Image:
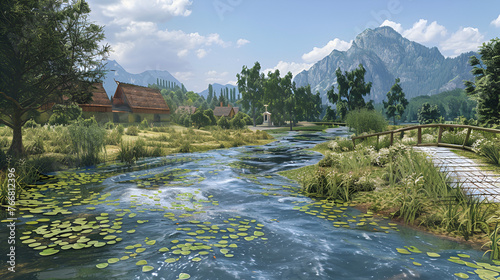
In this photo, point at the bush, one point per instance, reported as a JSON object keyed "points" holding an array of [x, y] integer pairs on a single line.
{"points": [[132, 130], [126, 153], [210, 114], [144, 124], [489, 149], [88, 141], [31, 124], [36, 148], [109, 125], [223, 123], [366, 121], [113, 138], [120, 129]]}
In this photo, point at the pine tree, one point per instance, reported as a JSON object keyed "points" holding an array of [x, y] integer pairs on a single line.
{"points": [[396, 102]]}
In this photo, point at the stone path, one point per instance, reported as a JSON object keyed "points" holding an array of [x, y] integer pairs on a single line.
{"points": [[466, 172]]}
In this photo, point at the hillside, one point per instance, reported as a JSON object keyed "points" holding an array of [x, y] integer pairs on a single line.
{"points": [[387, 55]]}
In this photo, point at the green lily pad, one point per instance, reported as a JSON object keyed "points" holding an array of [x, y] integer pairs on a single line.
{"points": [[48, 252], [147, 268], [486, 273], [140, 250], [113, 260], [463, 255], [131, 231], [433, 255], [102, 265], [403, 251], [196, 259], [164, 249], [184, 276], [417, 264], [170, 260], [151, 242], [462, 275], [141, 262]]}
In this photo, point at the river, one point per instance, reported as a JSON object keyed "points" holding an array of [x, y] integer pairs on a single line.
{"points": [[222, 214]]}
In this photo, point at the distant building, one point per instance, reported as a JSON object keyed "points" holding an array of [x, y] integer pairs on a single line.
{"points": [[100, 106], [185, 109], [133, 103], [267, 117], [222, 111]]}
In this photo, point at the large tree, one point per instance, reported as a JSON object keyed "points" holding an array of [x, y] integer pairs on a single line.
{"points": [[486, 86], [250, 86], [351, 91], [428, 113], [48, 49], [396, 102]]}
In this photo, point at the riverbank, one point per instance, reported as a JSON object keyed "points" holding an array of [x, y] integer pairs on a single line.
{"points": [[398, 183]]}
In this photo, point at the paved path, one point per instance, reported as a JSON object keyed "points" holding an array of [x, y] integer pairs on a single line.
{"points": [[474, 181]]}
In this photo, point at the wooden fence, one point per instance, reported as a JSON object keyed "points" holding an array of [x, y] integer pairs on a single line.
{"points": [[419, 134]]}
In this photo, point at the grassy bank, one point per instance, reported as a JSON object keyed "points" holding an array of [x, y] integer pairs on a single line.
{"points": [[402, 184]]}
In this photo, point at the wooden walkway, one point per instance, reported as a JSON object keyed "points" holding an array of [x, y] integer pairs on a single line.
{"points": [[475, 181]]}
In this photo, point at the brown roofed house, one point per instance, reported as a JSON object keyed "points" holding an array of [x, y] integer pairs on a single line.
{"points": [[100, 100], [222, 111], [140, 103], [186, 109]]}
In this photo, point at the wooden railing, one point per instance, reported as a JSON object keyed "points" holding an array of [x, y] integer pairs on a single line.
{"points": [[419, 134]]}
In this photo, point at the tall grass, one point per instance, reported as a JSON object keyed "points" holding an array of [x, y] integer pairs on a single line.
{"points": [[88, 142]]}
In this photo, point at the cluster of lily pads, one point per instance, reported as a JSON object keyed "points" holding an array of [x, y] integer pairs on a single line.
{"points": [[483, 270], [174, 177]]}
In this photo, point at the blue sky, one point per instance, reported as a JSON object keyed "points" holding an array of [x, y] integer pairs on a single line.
{"points": [[208, 41]]}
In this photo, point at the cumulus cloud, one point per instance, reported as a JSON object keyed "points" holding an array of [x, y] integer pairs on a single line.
{"points": [[496, 22], [124, 11], [213, 76], [242, 42], [184, 76], [422, 32], [318, 53], [464, 40], [285, 67], [201, 53], [396, 26]]}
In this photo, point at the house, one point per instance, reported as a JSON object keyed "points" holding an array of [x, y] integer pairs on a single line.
{"points": [[133, 103], [100, 107], [222, 111], [186, 109]]}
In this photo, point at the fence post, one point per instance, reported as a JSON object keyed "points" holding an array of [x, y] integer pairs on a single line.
{"points": [[378, 140], [467, 137], [354, 144], [419, 141], [440, 134], [392, 138]]}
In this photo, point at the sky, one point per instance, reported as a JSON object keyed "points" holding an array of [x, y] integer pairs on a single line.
{"points": [[209, 41]]}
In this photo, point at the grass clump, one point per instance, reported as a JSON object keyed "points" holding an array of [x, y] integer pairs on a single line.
{"points": [[132, 130]]}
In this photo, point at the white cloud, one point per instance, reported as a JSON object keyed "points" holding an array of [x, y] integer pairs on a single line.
{"points": [[242, 42], [182, 53], [421, 32], [394, 25], [201, 53], [216, 77], [319, 53], [464, 40], [234, 83], [124, 11], [285, 67], [496, 22]]}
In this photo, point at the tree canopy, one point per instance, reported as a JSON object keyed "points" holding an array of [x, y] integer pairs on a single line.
{"points": [[396, 101], [486, 86], [250, 86], [48, 49]]}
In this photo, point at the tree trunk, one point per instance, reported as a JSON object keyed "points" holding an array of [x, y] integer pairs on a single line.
{"points": [[16, 148], [291, 124], [253, 115]]}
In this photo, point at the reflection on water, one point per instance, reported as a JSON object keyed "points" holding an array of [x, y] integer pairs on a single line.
{"points": [[222, 214]]}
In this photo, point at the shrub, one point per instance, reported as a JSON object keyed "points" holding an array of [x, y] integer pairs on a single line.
{"points": [[210, 114], [144, 124], [36, 148], [114, 137], [185, 147], [238, 121], [223, 123], [365, 120], [120, 129], [88, 141], [489, 149], [132, 130], [109, 125], [126, 153], [31, 124]]}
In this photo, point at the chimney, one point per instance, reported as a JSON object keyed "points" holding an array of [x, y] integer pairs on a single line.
{"points": [[222, 105]]}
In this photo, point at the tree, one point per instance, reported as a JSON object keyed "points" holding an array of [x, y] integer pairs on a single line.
{"points": [[200, 119], [396, 102], [486, 86], [210, 93], [250, 87], [351, 91], [48, 49], [428, 113]]}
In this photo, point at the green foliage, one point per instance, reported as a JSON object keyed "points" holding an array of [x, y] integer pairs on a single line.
{"points": [[31, 124], [55, 53], [132, 130], [238, 121], [36, 147], [210, 114], [351, 91], [88, 141], [396, 102], [199, 119], [109, 125], [250, 86], [144, 124], [120, 129], [223, 123], [485, 88], [428, 114], [63, 114], [126, 153], [113, 137], [364, 120], [489, 149]]}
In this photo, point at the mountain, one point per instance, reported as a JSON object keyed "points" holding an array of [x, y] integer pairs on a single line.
{"points": [[116, 72], [386, 55], [217, 88]]}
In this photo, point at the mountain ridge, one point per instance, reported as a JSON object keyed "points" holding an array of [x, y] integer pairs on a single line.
{"points": [[387, 55]]}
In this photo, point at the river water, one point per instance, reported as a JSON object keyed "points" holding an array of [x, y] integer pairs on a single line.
{"points": [[223, 214]]}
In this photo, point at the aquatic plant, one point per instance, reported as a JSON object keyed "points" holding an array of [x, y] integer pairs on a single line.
{"points": [[88, 141]]}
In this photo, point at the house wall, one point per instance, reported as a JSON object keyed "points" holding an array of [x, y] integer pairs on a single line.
{"points": [[137, 118], [99, 117]]}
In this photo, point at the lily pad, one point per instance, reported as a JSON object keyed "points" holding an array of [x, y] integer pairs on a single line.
{"points": [[433, 255], [102, 265], [113, 260], [170, 260], [147, 268], [48, 252], [462, 275], [403, 251], [141, 262], [184, 276]]}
